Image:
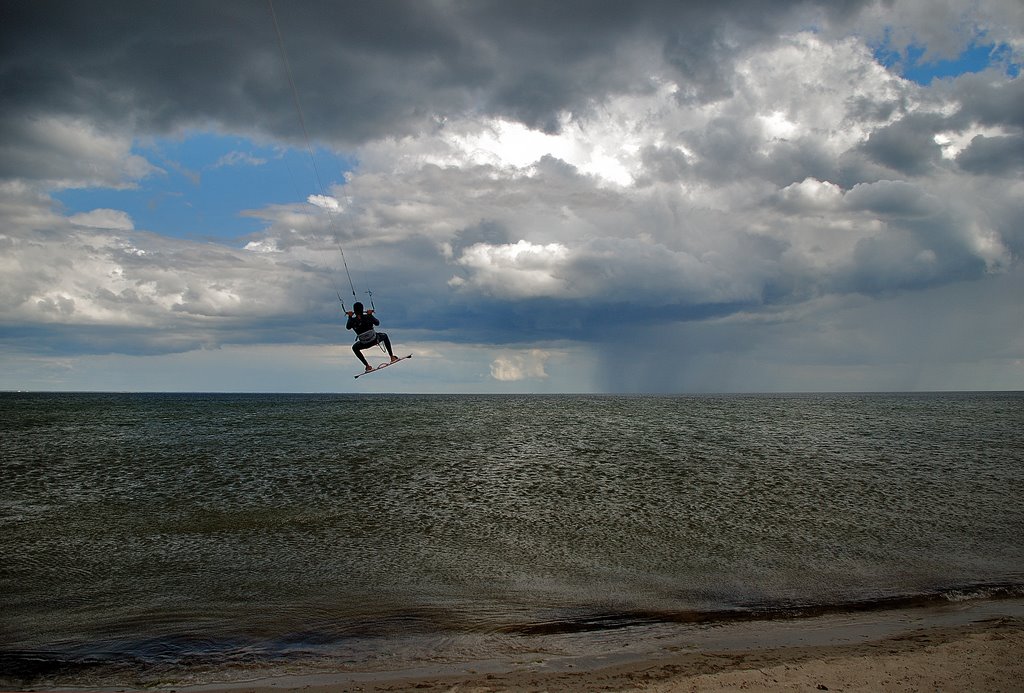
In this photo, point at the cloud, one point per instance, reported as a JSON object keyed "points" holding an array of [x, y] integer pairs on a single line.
{"points": [[331, 204], [113, 219], [519, 270], [990, 102], [67, 152], [91, 283], [993, 155], [907, 146], [520, 366], [943, 28], [891, 198], [903, 341], [810, 196], [777, 202], [393, 72], [519, 170], [237, 158]]}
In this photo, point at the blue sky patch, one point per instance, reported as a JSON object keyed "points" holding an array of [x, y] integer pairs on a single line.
{"points": [[977, 57], [207, 180]]}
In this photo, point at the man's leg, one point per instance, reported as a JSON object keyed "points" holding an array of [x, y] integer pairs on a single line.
{"points": [[357, 349], [387, 345]]}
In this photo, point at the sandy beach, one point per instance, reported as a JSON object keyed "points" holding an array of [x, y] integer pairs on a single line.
{"points": [[982, 655]]}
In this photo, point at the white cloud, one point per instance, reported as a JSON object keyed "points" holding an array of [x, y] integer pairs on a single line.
{"points": [[511, 367], [264, 245], [69, 153], [606, 145], [324, 202], [112, 219], [807, 86], [96, 274], [237, 158], [507, 144], [514, 270], [811, 196], [953, 142]]}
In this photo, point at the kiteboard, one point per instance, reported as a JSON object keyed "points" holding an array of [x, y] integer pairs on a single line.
{"points": [[384, 365]]}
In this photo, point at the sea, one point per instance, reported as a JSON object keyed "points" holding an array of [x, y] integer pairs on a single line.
{"points": [[162, 539]]}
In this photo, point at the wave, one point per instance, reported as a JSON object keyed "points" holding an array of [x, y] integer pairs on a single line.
{"points": [[84, 661], [764, 611]]}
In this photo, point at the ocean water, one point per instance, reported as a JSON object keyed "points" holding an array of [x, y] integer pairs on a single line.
{"points": [[178, 537]]}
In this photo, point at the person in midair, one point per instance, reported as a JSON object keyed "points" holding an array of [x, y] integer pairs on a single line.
{"points": [[366, 336]]}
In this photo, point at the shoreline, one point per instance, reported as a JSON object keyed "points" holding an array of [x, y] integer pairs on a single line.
{"points": [[972, 645], [959, 647]]}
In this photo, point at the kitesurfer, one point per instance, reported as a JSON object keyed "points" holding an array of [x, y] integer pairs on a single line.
{"points": [[366, 336]]}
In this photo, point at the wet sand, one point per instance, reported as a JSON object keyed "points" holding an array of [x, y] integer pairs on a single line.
{"points": [[908, 651]]}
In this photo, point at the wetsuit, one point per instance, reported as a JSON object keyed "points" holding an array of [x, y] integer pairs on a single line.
{"points": [[366, 337]]}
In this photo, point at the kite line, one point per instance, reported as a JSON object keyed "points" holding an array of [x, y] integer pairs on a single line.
{"points": [[309, 149]]}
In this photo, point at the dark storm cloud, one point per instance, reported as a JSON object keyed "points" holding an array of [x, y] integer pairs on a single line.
{"points": [[907, 146], [989, 102], [795, 160], [488, 231], [993, 155], [364, 70], [891, 198], [904, 260]]}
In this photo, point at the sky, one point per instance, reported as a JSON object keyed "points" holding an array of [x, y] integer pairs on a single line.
{"points": [[572, 196]]}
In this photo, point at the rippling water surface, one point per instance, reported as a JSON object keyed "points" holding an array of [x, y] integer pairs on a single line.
{"points": [[194, 529]]}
